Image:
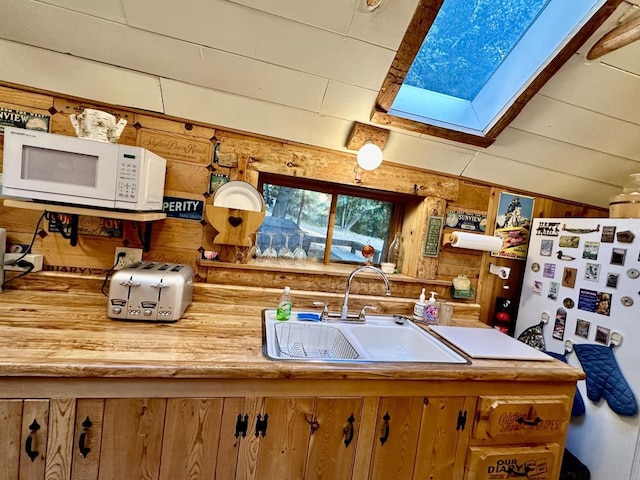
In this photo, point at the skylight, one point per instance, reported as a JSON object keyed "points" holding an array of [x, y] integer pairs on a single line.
{"points": [[479, 55]]}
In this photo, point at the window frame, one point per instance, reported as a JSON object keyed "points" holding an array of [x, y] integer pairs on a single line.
{"points": [[334, 189], [419, 26]]}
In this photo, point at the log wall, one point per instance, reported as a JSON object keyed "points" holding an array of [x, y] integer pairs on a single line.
{"points": [[189, 150]]}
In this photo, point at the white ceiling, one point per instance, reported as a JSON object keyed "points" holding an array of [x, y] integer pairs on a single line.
{"points": [[305, 71]]}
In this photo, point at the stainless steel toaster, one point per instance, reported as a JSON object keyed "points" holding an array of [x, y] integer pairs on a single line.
{"points": [[152, 291]]}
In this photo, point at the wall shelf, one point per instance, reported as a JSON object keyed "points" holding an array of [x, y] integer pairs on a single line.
{"points": [[142, 217]]}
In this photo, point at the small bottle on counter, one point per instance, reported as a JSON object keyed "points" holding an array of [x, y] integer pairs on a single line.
{"points": [[431, 310], [419, 307], [395, 252], [284, 307]]}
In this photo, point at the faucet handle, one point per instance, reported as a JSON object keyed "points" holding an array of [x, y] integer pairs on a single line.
{"points": [[363, 312], [325, 310]]}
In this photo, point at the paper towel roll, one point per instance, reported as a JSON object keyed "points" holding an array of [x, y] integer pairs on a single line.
{"points": [[473, 241]]}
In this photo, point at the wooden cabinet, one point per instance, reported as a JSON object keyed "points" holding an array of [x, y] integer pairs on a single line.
{"points": [[35, 438], [307, 437], [518, 436]]}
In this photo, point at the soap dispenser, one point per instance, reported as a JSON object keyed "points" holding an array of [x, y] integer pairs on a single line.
{"points": [[431, 310], [419, 307], [283, 311]]}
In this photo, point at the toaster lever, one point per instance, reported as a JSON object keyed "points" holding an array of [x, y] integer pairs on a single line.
{"points": [[130, 283], [160, 285]]}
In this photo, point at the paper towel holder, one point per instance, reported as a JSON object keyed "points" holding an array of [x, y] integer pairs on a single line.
{"points": [[452, 238]]}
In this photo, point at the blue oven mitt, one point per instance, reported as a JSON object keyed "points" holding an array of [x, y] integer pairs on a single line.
{"points": [[577, 409], [604, 378]]}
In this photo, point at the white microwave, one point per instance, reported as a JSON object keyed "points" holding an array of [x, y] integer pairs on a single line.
{"points": [[59, 168]]}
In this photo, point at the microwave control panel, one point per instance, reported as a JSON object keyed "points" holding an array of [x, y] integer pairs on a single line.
{"points": [[128, 174]]}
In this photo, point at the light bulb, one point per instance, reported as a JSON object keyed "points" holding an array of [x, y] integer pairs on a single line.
{"points": [[369, 156]]}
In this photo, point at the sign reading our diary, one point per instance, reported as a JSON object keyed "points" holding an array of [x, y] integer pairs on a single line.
{"points": [[184, 208], [16, 118], [432, 238]]}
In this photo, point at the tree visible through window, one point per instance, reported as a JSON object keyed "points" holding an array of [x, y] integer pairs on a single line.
{"points": [[332, 222]]}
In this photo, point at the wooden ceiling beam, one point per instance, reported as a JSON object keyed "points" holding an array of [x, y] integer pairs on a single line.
{"points": [[617, 38]]}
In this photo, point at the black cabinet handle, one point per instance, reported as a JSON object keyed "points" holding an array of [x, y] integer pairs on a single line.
{"points": [[348, 430], [242, 425], [84, 450], [28, 445], [385, 434], [261, 425], [531, 423], [313, 423]]}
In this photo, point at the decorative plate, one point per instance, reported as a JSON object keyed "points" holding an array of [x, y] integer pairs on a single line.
{"points": [[239, 195]]}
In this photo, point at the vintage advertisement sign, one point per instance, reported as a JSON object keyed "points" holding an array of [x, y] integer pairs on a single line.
{"points": [[513, 225], [469, 221], [185, 208], [103, 227], [16, 118], [432, 238]]}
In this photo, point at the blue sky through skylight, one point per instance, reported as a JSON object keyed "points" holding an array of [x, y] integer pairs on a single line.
{"points": [[467, 43], [479, 55]]}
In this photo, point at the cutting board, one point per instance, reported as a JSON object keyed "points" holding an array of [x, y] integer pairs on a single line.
{"points": [[488, 343]]}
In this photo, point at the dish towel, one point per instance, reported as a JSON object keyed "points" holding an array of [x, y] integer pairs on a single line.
{"points": [[577, 409], [604, 378]]}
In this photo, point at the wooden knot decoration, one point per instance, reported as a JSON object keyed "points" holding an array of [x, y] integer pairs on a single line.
{"points": [[235, 221]]}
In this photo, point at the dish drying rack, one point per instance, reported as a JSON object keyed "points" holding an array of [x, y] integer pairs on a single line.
{"points": [[313, 341]]}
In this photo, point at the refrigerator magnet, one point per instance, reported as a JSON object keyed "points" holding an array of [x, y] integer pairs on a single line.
{"points": [[633, 273], [602, 335], [559, 325], [618, 255], [608, 234], [626, 301], [582, 328]]}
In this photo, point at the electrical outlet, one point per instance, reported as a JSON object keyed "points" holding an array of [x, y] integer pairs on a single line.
{"points": [[36, 260], [131, 255]]}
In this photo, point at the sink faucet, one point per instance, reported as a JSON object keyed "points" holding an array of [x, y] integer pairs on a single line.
{"points": [[345, 305]]}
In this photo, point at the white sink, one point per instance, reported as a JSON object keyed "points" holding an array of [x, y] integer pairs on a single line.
{"points": [[380, 339]]}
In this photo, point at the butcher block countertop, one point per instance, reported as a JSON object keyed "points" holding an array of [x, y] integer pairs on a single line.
{"points": [[56, 326]]}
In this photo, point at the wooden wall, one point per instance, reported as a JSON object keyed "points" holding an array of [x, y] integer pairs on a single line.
{"points": [[188, 148]]}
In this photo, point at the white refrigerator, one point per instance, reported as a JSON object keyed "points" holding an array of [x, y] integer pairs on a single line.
{"points": [[583, 275]]}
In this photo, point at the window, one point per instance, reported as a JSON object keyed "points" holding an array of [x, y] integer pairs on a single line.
{"points": [[331, 223], [465, 69]]}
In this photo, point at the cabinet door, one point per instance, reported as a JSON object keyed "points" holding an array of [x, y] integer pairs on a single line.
{"points": [[191, 437], [445, 430], [396, 440], [35, 438], [277, 440], [33, 441], [87, 439], [132, 439], [10, 437], [334, 435]]}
